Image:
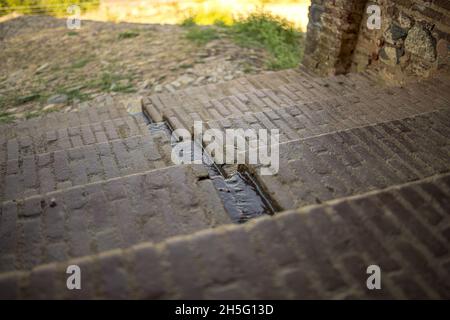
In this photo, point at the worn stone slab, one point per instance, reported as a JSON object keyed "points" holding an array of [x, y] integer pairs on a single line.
{"points": [[318, 252], [359, 160], [117, 213]]}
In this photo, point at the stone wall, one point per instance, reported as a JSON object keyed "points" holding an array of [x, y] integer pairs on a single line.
{"points": [[332, 33], [413, 39]]}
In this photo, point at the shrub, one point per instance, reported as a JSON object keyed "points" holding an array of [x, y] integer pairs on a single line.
{"points": [[275, 34]]}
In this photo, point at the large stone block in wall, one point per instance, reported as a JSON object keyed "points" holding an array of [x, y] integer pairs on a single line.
{"points": [[390, 55], [420, 43]]}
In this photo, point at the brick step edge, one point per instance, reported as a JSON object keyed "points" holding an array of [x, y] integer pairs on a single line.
{"points": [[316, 252], [46, 171], [296, 123], [309, 87], [33, 143], [413, 94], [84, 220], [57, 120]]}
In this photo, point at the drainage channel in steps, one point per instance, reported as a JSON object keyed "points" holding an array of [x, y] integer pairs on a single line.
{"points": [[242, 196], [239, 191]]}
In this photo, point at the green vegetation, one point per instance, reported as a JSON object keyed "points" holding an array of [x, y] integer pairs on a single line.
{"points": [[263, 30], [189, 22], [213, 14], [186, 65], [80, 63], [247, 68], [113, 82], [128, 34], [273, 33], [201, 35], [27, 98], [106, 82], [5, 117], [73, 93], [51, 7]]}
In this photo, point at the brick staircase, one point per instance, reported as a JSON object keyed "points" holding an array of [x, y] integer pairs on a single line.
{"points": [[364, 179]]}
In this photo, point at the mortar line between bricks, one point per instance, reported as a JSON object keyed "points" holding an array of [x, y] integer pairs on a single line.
{"points": [[363, 126], [372, 192], [46, 194], [144, 134]]}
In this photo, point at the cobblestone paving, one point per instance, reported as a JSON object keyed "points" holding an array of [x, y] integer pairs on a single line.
{"points": [[364, 175], [316, 252]]}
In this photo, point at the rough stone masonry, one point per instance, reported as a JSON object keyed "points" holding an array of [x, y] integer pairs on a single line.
{"points": [[412, 41]]}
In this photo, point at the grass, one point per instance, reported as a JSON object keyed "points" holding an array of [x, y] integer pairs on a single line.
{"points": [[189, 22], [198, 34], [27, 98], [107, 82], [261, 30], [80, 63], [247, 68], [113, 82], [73, 94], [33, 114], [5, 117], [128, 35], [275, 34], [201, 35], [208, 16], [186, 65]]}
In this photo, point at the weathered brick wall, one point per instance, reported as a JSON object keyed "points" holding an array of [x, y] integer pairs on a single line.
{"points": [[332, 33], [413, 39]]}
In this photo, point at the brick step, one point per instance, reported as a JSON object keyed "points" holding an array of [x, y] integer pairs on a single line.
{"points": [[417, 97], [316, 252], [60, 169], [327, 116], [90, 113], [116, 213], [27, 144], [253, 93], [358, 160]]}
